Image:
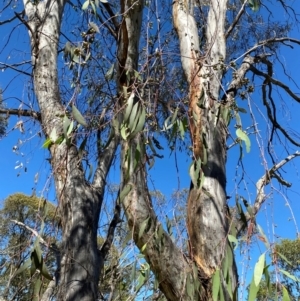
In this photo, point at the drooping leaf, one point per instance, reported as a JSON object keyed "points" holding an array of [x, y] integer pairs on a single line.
{"points": [[216, 285], [110, 73], [243, 136], [284, 258], [125, 192], [77, 116], [143, 227], [128, 107], [24, 267], [141, 122], [85, 5], [44, 271], [259, 268], [285, 294], [234, 240], [133, 116], [289, 275], [190, 287], [36, 289], [252, 291]]}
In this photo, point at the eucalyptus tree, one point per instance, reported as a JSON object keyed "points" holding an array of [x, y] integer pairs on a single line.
{"points": [[129, 89]]}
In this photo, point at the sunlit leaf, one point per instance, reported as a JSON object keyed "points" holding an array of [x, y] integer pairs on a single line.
{"points": [[47, 143], [85, 5], [77, 116], [289, 275], [285, 294], [259, 268], [243, 136]]}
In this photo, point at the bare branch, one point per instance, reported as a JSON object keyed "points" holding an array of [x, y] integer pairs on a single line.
{"points": [[25, 113], [236, 20], [111, 230], [34, 232], [4, 65], [105, 158], [276, 82], [11, 19], [266, 179], [269, 41]]}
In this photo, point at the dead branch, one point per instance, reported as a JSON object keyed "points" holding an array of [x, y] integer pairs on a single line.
{"points": [[25, 113]]}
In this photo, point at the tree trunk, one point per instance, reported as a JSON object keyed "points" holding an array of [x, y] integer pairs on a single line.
{"points": [[79, 202], [207, 215]]}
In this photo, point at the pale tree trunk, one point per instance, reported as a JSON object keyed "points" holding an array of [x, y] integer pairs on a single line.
{"points": [[207, 214], [79, 202], [177, 275]]}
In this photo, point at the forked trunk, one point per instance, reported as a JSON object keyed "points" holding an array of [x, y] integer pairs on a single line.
{"points": [[79, 202]]}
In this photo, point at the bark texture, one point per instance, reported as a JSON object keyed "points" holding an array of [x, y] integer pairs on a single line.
{"points": [[207, 216], [79, 202]]}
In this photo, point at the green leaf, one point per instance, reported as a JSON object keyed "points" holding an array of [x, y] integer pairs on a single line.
{"points": [[93, 7], [24, 267], [143, 227], [140, 282], [263, 236], [252, 291], [45, 272], [254, 5], [66, 124], [234, 240], [289, 275], [125, 192], [77, 116], [128, 107], [144, 247], [85, 5], [133, 116], [124, 131], [259, 268], [141, 122], [216, 285], [110, 73], [286, 296], [284, 258], [47, 143], [190, 287], [242, 110], [181, 129], [194, 172], [36, 289], [243, 136]]}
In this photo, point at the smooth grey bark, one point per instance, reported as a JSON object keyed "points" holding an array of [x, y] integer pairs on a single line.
{"points": [[79, 202]]}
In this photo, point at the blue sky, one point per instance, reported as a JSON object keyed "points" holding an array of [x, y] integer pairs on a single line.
{"points": [[278, 215]]}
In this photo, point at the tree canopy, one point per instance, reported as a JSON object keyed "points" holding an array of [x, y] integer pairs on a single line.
{"points": [[115, 87]]}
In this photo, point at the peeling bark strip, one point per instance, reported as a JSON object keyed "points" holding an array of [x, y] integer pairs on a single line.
{"points": [[206, 214], [79, 203]]}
